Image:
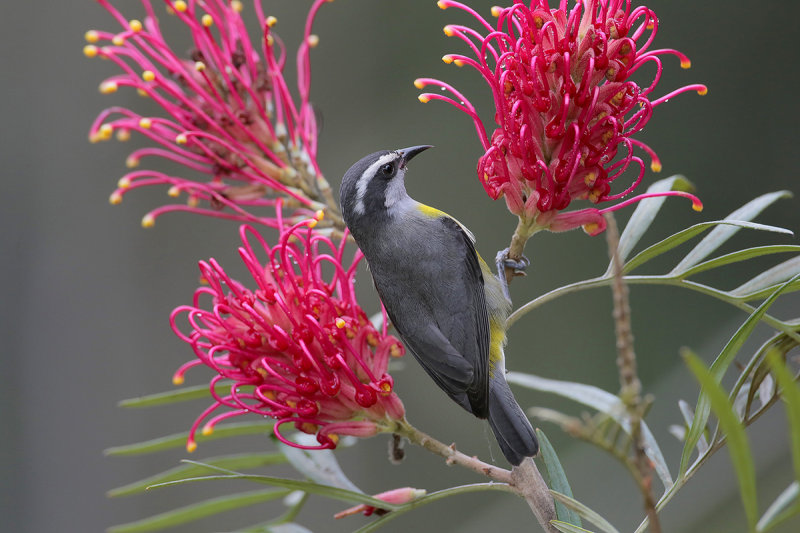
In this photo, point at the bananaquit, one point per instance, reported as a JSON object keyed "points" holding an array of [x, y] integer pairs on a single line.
{"points": [[444, 301]]}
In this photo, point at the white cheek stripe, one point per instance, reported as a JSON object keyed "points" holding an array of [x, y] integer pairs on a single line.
{"points": [[366, 177]]}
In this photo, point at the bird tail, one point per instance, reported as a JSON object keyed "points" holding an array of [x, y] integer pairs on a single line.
{"points": [[509, 424]]}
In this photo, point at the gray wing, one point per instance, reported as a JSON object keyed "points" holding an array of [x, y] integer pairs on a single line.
{"points": [[444, 321]]}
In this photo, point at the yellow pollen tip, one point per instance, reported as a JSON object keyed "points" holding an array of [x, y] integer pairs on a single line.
{"points": [[181, 138], [685, 63], [650, 25], [145, 123], [141, 92], [340, 323], [312, 222], [395, 351], [90, 50], [177, 379], [703, 91], [135, 25], [91, 36], [123, 135], [319, 215], [124, 183], [181, 6], [496, 10], [334, 437], [118, 40], [591, 228], [105, 131], [419, 84], [458, 63], [174, 191], [108, 87], [424, 98], [270, 40], [271, 21], [448, 30], [207, 20], [207, 430], [115, 198], [442, 4], [697, 205], [199, 66], [191, 446], [447, 59], [313, 40], [237, 6], [192, 201], [148, 221], [132, 162], [148, 75], [655, 166]]}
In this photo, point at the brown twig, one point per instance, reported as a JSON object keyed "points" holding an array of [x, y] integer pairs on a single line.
{"points": [[630, 386]]}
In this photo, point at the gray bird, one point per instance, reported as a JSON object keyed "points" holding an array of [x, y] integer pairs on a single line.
{"points": [[442, 298]]}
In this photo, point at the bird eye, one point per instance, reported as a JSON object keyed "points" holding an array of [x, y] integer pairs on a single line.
{"points": [[387, 169]]}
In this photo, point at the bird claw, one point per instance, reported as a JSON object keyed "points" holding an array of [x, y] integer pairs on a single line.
{"points": [[517, 265]]}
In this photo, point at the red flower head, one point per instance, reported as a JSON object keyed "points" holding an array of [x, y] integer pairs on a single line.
{"points": [[566, 108], [297, 347], [228, 112]]}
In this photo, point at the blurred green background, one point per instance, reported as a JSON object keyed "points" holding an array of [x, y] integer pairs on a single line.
{"points": [[86, 292]]}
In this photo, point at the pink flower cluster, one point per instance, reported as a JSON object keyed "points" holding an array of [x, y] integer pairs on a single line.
{"points": [[296, 347], [566, 106], [228, 112]]}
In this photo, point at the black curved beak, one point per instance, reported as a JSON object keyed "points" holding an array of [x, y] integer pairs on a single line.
{"points": [[409, 153]]}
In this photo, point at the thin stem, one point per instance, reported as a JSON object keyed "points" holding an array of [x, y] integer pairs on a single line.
{"points": [[649, 280], [525, 229], [630, 385]]}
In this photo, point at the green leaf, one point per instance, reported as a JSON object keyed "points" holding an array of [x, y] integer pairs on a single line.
{"points": [[763, 293], [567, 528], [645, 213], [736, 438], [585, 512], [720, 234], [688, 417], [743, 255], [769, 278], [229, 462], [317, 465], [199, 510], [430, 498], [293, 484], [558, 478], [790, 393], [784, 507], [684, 235], [718, 368], [603, 401], [178, 440], [173, 396]]}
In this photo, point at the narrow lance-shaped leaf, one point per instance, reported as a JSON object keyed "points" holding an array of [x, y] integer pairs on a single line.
{"points": [[182, 394], [586, 513], [602, 401], [777, 274], [791, 397], [719, 235], [645, 213], [786, 505], [736, 438], [565, 527], [178, 440], [317, 465], [684, 235], [688, 417], [742, 255], [199, 510], [231, 462], [718, 368], [558, 479]]}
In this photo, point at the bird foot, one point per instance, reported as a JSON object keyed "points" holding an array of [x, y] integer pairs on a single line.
{"points": [[518, 267]]}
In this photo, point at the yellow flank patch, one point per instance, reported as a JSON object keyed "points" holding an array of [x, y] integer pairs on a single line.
{"points": [[497, 337], [430, 211]]}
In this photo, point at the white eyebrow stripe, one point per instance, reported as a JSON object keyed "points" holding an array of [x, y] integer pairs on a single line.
{"points": [[366, 177]]}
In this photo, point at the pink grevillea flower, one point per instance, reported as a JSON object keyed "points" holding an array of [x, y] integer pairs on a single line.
{"points": [[394, 496], [566, 106], [296, 346], [228, 117]]}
